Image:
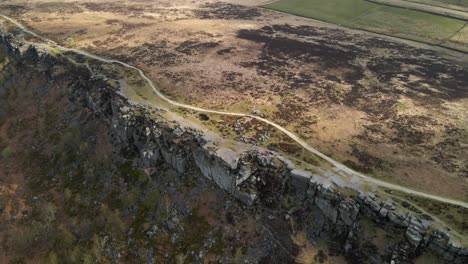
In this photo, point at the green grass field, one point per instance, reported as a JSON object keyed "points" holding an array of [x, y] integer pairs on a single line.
{"points": [[452, 4], [455, 2], [361, 14]]}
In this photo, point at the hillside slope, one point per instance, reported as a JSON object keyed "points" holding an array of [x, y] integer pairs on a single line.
{"points": [[88, 176]]}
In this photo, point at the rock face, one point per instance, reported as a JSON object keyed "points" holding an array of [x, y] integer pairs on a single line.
{"points": [[256, 177]]}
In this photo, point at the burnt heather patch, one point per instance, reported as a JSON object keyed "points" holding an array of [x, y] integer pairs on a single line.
{"points": [[371, 75]]}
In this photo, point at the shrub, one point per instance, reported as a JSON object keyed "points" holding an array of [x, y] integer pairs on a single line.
{"points": [[65, 239], [7, 152], [52, 258], [151, 199]]}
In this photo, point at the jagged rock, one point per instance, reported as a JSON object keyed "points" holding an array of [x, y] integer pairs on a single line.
{"points": [[327, 208], [448, 256], [246, 198], [383, 212], [402, 254], [300, 182], [264, 137], [318, 226], [32, 54], [150, 155], [326, 199], [244, 174], [417, 224], [176, 159], [214, 168], [219, 166], [370, 199], [228, 157], [463, 252], [413, 236], [311, 191], [397, 217], [349, 211], [265, 160], [440, 239], [461, 256], [388, 204]]}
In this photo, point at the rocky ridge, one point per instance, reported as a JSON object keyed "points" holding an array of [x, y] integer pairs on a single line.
{"points": [[257, 177]]}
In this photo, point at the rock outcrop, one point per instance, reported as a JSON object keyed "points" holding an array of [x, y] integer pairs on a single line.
{"points": [[256, 176]]}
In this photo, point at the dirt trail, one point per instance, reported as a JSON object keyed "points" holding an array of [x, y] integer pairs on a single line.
{"points": [[339, 167]]}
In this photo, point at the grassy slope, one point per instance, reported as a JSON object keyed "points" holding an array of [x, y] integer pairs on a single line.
{"points": [[333, 11], [365, 15], [452, 4]]}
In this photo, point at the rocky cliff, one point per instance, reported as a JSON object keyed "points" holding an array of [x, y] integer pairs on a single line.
{"points": [[257, 177]]}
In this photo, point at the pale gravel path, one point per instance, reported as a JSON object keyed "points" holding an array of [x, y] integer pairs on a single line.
{"points": [[338, 166]]}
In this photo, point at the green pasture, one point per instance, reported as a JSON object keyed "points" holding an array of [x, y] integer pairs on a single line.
{"points": [[452, 4], [364, 15]]}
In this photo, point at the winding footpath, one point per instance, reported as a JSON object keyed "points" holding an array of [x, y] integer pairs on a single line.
{"points": [[338, 166]]}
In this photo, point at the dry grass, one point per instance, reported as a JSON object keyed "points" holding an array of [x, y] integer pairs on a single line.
{"points": [[203, 61]]}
